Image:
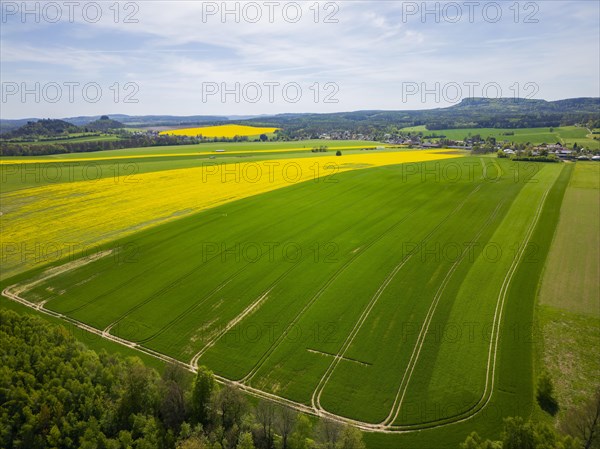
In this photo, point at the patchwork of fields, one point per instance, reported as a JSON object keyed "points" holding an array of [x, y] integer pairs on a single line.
{"points": [[566, 135], [61, 218], [380, 296]]}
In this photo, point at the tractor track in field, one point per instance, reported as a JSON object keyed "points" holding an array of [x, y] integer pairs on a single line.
{"points": [[127, 281], [494, 340], [316, 296], [194, 306], [118, 287], [168, 287], [165, 289], [152, 296], [408, 372], [303, 408], [316, 395], [261, 298], [212, 293], [247, 311]]}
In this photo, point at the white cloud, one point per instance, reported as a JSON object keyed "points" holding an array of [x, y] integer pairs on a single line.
{"points": [[369, 54]]}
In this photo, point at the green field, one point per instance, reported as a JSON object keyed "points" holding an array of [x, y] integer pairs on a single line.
{"points": [[24, 172], [238, 147], [83, 138], [566, 135], [388, 299], [569, 352], [569, 311], [572, 277]]}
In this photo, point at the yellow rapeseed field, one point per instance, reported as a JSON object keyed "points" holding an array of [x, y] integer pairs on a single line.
{"points": [[43, 223], [227, 131]]}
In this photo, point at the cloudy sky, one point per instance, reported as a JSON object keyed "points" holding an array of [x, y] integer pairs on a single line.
{"points": [[61, 59]]}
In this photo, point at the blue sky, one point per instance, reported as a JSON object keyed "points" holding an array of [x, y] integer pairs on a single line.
{"points": [[173, 57]]}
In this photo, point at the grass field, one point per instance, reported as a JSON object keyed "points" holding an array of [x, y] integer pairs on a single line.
{"points": [[569, 311], [384, 296], [101, 138], [570, 354], [572, 278], [566, 135], [227, 131]]}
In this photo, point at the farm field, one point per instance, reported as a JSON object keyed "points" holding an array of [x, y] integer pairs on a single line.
{"points": [[571, 280], [569, 298], [374, 297], [49, 221], [309, 225], [83, 138], [18, 173], [202, 148], [569, 352], [567, 135], [226, 131]]}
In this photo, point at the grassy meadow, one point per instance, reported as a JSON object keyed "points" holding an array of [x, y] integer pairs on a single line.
{"points": [[568, 314]]}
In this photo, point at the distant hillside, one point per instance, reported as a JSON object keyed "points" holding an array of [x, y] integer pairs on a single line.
{"points": [[103, 124], [150, 120], [131, 120], [48, 128], [9, 125], [470, 113], [528, 105]]}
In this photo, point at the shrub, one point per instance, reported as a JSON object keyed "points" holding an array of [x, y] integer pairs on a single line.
{"points": [[545, 394]]}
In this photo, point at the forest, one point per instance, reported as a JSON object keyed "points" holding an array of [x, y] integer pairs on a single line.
{"points": [[56, 393]]}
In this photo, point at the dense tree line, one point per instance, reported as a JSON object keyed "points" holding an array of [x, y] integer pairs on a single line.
{"points": [[42, 148], [550, 158], [579, 427], [519, 434], [59, 128], [55, 393]]}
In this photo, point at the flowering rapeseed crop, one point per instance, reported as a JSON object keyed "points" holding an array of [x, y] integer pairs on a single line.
{"points": [[39, 223], [227, 131]]}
